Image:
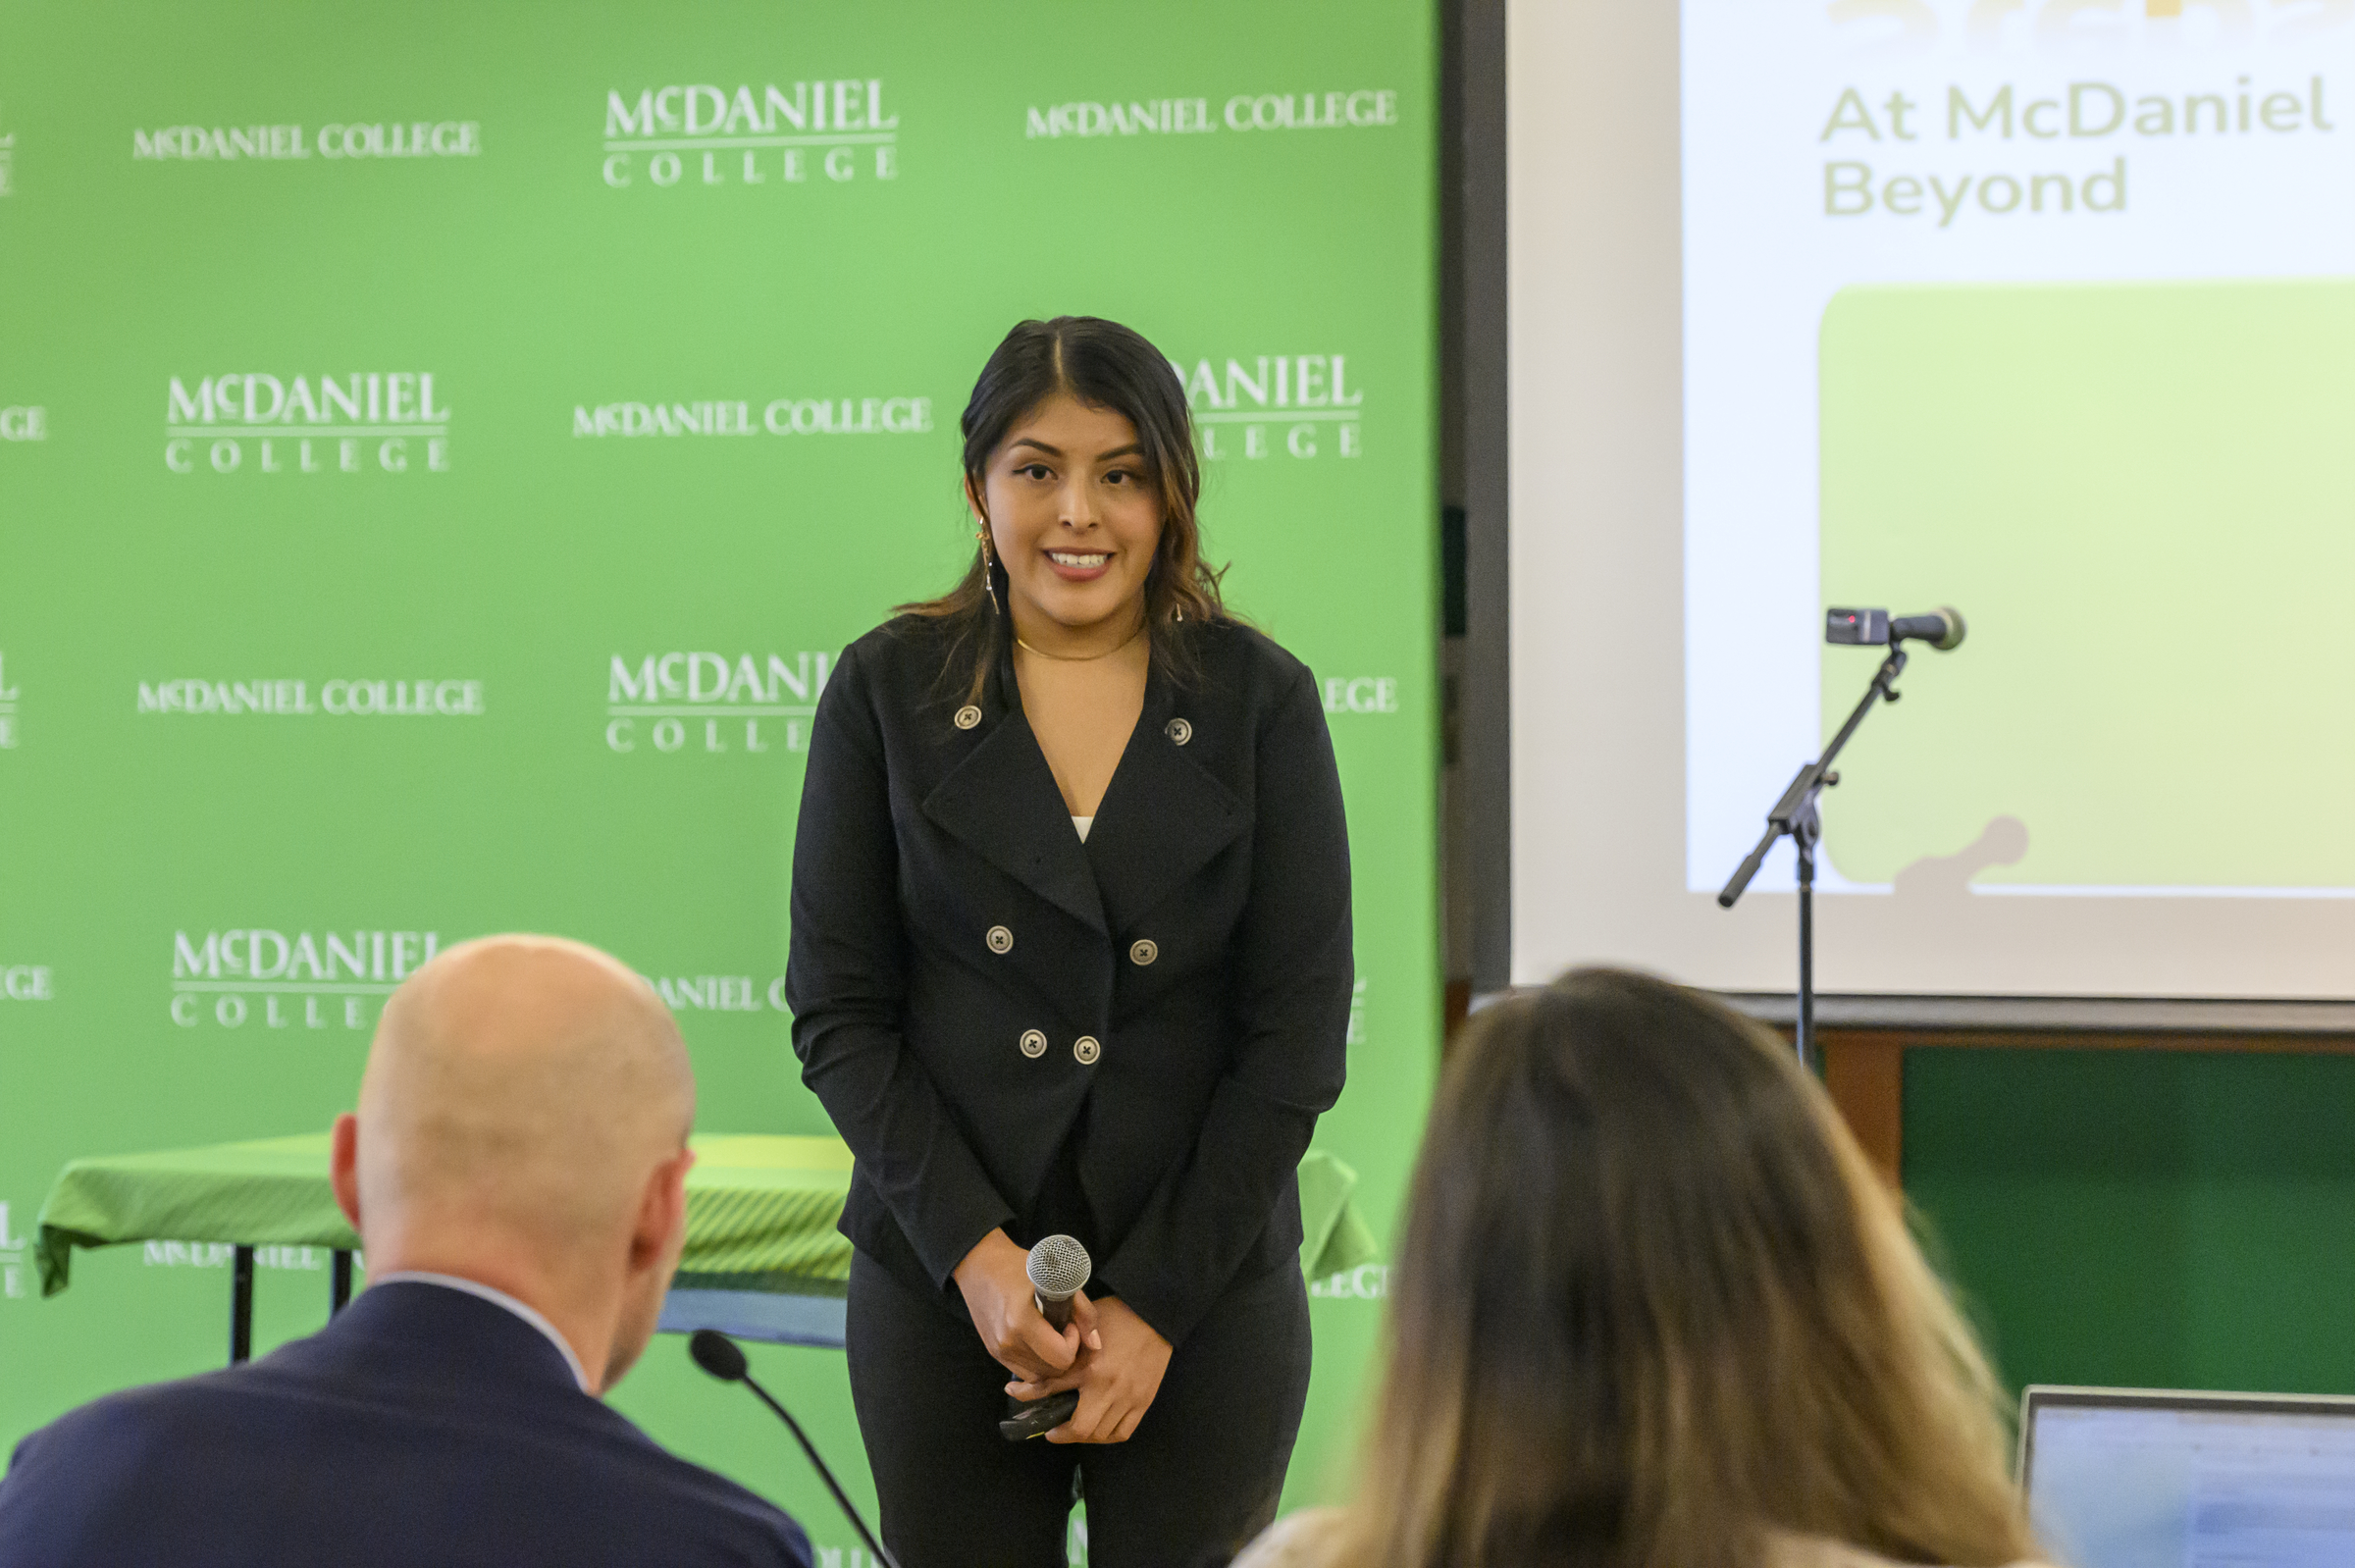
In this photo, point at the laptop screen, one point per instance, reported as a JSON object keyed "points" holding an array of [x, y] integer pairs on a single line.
{"points": [[2133, 1478]]}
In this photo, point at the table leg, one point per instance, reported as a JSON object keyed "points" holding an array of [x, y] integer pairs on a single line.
{"points": [[240, 1306], [340, 1290]]}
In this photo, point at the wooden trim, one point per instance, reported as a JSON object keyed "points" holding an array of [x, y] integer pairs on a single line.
{"points": [[1457, 1004], [1866, 1074], [1864, 1070], [2301, 1044], [2136, 1016]]}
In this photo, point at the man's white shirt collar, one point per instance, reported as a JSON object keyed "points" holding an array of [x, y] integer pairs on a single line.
{"points": [[496, 1298]]}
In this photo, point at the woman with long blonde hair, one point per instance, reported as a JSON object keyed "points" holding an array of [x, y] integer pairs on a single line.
{"points": [[1655, 1310]]}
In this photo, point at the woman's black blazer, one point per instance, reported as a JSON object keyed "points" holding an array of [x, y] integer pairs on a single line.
{"points": [[966, 977]]}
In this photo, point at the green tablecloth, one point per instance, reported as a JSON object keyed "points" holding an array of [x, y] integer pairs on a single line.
{"points": [[760, 1210]]}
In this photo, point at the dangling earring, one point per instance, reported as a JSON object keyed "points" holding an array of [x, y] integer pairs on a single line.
{"points": [[989, 572]]}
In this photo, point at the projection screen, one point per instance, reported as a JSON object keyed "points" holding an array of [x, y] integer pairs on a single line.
{"points": [[2040, 308]]}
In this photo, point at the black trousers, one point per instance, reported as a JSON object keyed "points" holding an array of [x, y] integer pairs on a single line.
{"points": [[1192, 1485]]}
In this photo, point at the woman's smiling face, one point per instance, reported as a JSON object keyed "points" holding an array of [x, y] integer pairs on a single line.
{"points": [[1073, 517]]}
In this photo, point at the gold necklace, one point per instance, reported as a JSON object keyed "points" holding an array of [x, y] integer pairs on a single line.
{"points": [[1081, 658]]}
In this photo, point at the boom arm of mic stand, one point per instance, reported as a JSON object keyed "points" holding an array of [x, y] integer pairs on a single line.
{"points": [[1804, 789], [1739, 882], [1795, 815], [1809, 782]]}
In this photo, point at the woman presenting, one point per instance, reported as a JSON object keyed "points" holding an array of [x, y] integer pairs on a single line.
{"points": [[1070, 953]]}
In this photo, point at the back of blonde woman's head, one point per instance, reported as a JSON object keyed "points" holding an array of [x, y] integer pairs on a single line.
{"points": [[1654, 1304]]}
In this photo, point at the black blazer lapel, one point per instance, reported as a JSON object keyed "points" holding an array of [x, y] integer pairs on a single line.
{"points": [[1165, 815], [1002, 802]]}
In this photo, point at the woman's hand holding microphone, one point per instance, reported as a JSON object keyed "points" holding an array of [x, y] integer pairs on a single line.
{"points": [[998, 1295], [1111, 1355], [1117, 1377]]}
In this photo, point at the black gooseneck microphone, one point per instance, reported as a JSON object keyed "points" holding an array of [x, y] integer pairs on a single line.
{"points": [[723, 1358]]}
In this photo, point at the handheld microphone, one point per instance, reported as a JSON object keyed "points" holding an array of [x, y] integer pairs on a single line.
{"points": [[1058, 1267], [1941, 628], [723, 1358]]}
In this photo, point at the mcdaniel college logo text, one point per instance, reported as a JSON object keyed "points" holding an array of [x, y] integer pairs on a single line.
{"points": [[274, 979], [336, 697], [709, 704], [779, 416], [1304, 405], [256, 422], [801, 135], [335, 143], [1348, 109]]}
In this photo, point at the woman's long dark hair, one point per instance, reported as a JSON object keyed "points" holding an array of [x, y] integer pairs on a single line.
{"points": [[1654, 1308], [1104, 365]]}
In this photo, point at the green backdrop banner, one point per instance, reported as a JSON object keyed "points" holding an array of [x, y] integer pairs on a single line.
{"points": [[443, 450]]}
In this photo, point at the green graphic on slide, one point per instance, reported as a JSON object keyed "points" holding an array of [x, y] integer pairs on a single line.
{"points": [[2143, 499]]}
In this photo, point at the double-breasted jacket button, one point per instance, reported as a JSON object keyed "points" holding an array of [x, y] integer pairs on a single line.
{"points": [[1179, 731], [1000, 939], [1034, 1044], [1086, 1050], [968, 716], [1143, 951]]}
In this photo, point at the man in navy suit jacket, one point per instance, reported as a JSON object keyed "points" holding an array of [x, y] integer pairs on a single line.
{"points": [[516, 1170]]}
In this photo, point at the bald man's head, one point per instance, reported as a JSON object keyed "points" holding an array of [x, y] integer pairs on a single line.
{"points": [[520, 1088]]}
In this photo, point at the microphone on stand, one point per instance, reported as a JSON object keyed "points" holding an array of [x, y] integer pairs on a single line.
{"points": [[1941, 628], [1058, 1267], [1795, 815], [723, 1358]]}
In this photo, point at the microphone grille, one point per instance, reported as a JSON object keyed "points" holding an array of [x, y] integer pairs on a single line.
{"points": [[1058, 1265]]}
